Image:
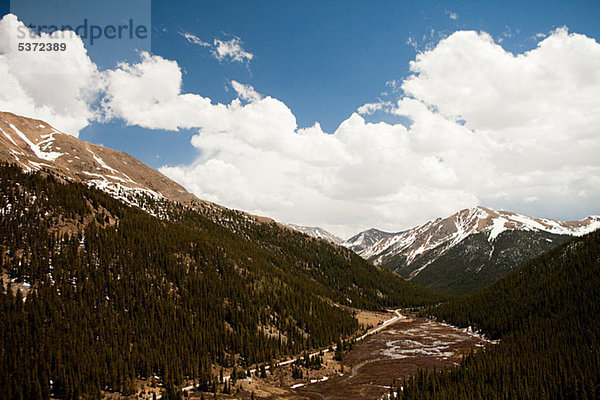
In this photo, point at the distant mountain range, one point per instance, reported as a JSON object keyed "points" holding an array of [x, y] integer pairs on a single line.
{"points": [[318, 233], [362, 241], [467, 250]]}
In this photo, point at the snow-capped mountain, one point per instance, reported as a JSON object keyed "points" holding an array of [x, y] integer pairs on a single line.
{"points": [[362, 241], [453, 229], [316, 232], [469, 248]]}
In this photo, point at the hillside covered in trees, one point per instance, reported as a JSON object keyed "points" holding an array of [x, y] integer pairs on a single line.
{"points": [[546, 317], [97, 293]]}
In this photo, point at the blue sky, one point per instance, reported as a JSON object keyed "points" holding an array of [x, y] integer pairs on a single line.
{"points": [[321, 59], [324, 59]]}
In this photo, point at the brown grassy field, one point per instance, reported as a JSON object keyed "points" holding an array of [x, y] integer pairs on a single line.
{"points": [[367, 371]]}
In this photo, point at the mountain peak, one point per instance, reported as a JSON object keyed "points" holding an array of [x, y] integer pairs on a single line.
{"points": [[401, 250], [33, 145], [363, 240]]}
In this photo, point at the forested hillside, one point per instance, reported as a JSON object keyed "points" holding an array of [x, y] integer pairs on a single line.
{"points": [[96, 293], [546, 317], [476, 263]]}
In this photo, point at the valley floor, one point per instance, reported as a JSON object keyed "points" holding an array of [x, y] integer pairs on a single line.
{"points": [[395, 353], [396, 347]]}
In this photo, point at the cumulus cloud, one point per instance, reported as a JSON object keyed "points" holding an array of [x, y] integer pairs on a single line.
{"points": [[487, 127], [148, 94], [231, 50], [543, 97], [56, 86], [512, 131]]}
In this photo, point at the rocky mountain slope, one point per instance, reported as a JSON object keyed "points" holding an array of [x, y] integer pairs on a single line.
{"points": [[470, 249], [33, 145]]}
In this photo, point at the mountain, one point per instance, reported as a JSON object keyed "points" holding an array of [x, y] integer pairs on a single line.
{"points": [[470, 249], [34, 145], [317, 232], [546, 317], [359, 243], [98, 296]]}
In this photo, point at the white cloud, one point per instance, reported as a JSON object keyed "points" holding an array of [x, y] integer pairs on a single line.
{"points": [[518, 132], [57, 86], [488, 127], [467, 76], [393, 84], [222, 50], [148, 94], [427, 41], [370, 108], [245, 92], [194, 39], [231, 50]]}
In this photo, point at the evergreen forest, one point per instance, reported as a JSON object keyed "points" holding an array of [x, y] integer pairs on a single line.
{"points": [[97, 293], [545, 315]]}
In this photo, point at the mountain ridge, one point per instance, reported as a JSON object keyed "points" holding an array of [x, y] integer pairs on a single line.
{"points": [[465, 222], [34, 145], [363, 240], [474, 244]]}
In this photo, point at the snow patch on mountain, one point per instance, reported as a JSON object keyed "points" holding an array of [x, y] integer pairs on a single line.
{"points": [[8, 137], [316, 232], [444, 233], [101, 162], [498, 226], [36, 148]]}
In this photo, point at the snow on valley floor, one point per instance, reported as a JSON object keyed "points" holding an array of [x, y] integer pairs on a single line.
{"points": [[395, 353]]}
